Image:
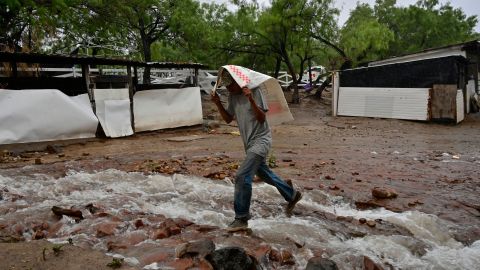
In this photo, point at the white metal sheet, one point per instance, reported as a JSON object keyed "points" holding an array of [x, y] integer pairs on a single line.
{"points": [[167, 108], [460, 107], [44, 115], [397, 103], [113, 110]]}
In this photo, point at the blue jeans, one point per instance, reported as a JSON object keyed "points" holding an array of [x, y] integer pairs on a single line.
{"points": [[255, 165]]}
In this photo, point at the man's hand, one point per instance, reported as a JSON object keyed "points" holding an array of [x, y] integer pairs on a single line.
{"points": [[246, 92], [215, 98]]}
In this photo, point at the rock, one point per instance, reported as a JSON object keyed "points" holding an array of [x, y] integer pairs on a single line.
{"points": [[231, 258], [106, 229], [333, 187], [368, 264], [362, 220], [38, 235], [287, 258], [77, 214], [384, 193], [371, 223], [319, 263], [287, 160], [182, 223], [138, 223], [185, 263], [201, 248], [367, 205], [328, 177], [347, 218], [38, 161], [161, 234], [52, 149], [203, 264]]}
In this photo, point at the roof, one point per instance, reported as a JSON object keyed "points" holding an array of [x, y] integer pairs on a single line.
{"points": [[22, 57], [449, 50]]}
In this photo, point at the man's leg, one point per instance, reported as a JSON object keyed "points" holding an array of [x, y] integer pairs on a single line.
{"points": [[289, 194], [269, 177], [243, 185]]}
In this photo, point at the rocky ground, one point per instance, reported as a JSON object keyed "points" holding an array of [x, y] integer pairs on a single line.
{"points": [[400, 165]]}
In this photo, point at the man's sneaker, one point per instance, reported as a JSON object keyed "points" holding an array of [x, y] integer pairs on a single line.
{"points": [[238, 225], [297, 197]]}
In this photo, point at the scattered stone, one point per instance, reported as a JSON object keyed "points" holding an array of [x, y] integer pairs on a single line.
{"points": [[347, 219], [369, 264], [333, 187], [355, 173], [77, 214], [231, 258], [38, 235], [319, 263], [358, 180], [161, 234], [201, 248], [292, 164], [328, 177], [52, 149], [38, 161], [85, 154], [367, 205], [106, 229], [61, 155], [182, 223], [138, 223], [185, 263], [384, 193], [287, 160], [362, 220], [287, 258], [371, 223]]}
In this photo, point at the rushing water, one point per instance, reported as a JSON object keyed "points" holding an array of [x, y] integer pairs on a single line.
{"points": [[209, 202]]}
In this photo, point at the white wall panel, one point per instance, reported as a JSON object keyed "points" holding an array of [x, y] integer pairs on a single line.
{"points": [[460, 107], [167, 108], [398, 103], [44, 115], [113, 110]]}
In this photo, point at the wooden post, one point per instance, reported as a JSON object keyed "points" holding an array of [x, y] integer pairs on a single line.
{"points": [[86, 84], [130, 95], [14, 69], [195, 79]]}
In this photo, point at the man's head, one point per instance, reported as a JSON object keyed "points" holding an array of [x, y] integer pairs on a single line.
{"points": [[230, 83]]}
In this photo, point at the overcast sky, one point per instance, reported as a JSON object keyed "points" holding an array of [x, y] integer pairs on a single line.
{"points": [[469, 7]]}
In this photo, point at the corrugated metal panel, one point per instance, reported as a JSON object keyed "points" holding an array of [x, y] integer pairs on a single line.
{"points": [[397, 103], [460, 107]]}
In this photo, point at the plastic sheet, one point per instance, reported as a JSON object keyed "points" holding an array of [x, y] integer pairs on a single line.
{"points": [[44, 115], [167, 108]]}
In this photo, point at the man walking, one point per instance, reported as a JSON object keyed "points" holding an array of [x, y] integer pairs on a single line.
{"points": [[248, 108]]}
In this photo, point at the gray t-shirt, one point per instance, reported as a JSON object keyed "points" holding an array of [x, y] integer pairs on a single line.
{"points": [[256, 136]]}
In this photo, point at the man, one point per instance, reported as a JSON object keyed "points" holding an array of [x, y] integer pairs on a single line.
{"points": [[248, 108]]}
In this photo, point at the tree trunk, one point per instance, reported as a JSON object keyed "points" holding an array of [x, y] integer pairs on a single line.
{"points": [[147, 51], [318, 94], [278, 64]]}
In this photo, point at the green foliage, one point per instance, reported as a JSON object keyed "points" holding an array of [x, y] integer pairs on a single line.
{"points": [[287, 34], [363, 38], [115, 263]]}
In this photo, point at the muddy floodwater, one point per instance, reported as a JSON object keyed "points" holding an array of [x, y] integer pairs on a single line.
{"points": [[129, 189]]}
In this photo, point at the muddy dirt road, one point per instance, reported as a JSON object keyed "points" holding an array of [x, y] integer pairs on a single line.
{"points": [[433, 168]]}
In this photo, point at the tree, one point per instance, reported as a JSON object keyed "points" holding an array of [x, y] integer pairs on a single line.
{"points": [[363, 38], [425, 25], [281, 32], [25, 25]]}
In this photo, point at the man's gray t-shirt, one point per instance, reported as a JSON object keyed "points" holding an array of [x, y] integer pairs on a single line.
{"points": [[256, 136]]}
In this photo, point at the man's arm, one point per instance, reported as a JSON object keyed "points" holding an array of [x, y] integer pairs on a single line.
{"points": [[259, 113], [225, 115]]}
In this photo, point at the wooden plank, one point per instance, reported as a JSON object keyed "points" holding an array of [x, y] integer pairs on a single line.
{"points": [[444, 102]]}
